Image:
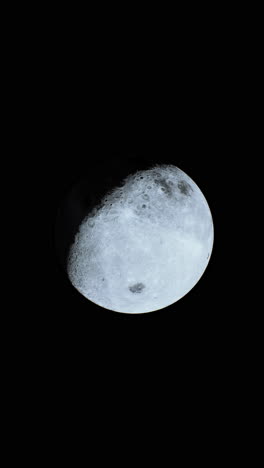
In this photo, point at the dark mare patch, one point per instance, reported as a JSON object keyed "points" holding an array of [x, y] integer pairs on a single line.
{"points": [[137, 288], [184, 187], [165, 187]]}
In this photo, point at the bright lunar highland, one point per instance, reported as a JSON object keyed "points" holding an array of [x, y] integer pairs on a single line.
{"points": [[146, 245]]}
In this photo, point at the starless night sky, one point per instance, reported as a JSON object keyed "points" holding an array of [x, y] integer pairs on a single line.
{"points": [[89, 387]]}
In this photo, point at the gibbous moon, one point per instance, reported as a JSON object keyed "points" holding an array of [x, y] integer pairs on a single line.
{"points": [[146, 245]]}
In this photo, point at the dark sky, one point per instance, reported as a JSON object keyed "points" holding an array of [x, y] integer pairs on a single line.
{"points": [[84, 386]]}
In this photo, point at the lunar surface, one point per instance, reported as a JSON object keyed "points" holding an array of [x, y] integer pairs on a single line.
{"points": [[146, 245]]}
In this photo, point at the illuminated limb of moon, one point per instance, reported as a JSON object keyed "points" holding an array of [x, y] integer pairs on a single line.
{"points": [[146, 245]]}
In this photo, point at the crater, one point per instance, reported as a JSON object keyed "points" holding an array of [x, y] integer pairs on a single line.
{"points": [[184, 187], [136, 288]]}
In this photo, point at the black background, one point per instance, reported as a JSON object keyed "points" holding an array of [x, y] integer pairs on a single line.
{"points": [[86, 386]]}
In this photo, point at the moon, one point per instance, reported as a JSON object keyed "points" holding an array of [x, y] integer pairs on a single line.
{"points": [[146, 245]]}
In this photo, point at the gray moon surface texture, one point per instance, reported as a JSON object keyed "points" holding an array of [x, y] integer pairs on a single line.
{"points": [[146, 245]]}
